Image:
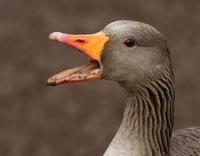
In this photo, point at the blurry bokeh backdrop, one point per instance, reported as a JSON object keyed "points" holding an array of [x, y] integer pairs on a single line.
{"points": [[81, 119]]}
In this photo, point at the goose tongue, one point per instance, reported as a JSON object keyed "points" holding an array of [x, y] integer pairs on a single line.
{"points": [[77, 74]]}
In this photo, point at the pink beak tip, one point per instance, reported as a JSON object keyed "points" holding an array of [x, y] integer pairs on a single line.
{"points": [[55, 35]]}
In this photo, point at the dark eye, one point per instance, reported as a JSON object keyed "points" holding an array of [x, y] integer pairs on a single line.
{"points": [[129, 42]]}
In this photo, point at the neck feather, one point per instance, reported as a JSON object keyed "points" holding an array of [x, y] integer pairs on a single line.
{"points": [[147, 124]]}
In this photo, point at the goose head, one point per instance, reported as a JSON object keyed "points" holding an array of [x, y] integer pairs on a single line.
{"points": [[129, 52]]}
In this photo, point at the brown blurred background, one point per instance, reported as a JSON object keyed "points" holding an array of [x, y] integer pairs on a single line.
{"points": [[80, 119]]}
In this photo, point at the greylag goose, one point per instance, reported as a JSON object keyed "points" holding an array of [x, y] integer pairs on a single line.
{"points": [[137, 56]]}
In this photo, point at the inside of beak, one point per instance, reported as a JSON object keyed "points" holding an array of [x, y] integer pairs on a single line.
{"points": [[91, 45]]}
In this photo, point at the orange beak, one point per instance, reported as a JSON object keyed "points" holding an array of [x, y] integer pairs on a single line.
{"points": [[92, 45]]}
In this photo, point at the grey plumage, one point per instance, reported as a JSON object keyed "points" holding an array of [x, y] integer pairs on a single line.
{"points": [[146, 73], [186, 142]]}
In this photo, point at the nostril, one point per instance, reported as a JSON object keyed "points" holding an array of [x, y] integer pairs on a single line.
{"points": [[80, 40]]}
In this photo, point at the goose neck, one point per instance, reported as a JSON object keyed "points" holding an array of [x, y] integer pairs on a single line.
{"points": [[147, 123]]}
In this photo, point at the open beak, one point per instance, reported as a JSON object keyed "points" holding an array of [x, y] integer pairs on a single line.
{"points": [[92, 45]]}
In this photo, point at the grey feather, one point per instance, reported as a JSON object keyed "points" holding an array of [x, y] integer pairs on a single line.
{"points": [[146, 73]]}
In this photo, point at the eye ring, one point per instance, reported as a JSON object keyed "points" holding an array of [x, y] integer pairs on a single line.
{"points": [[129, 42]]}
